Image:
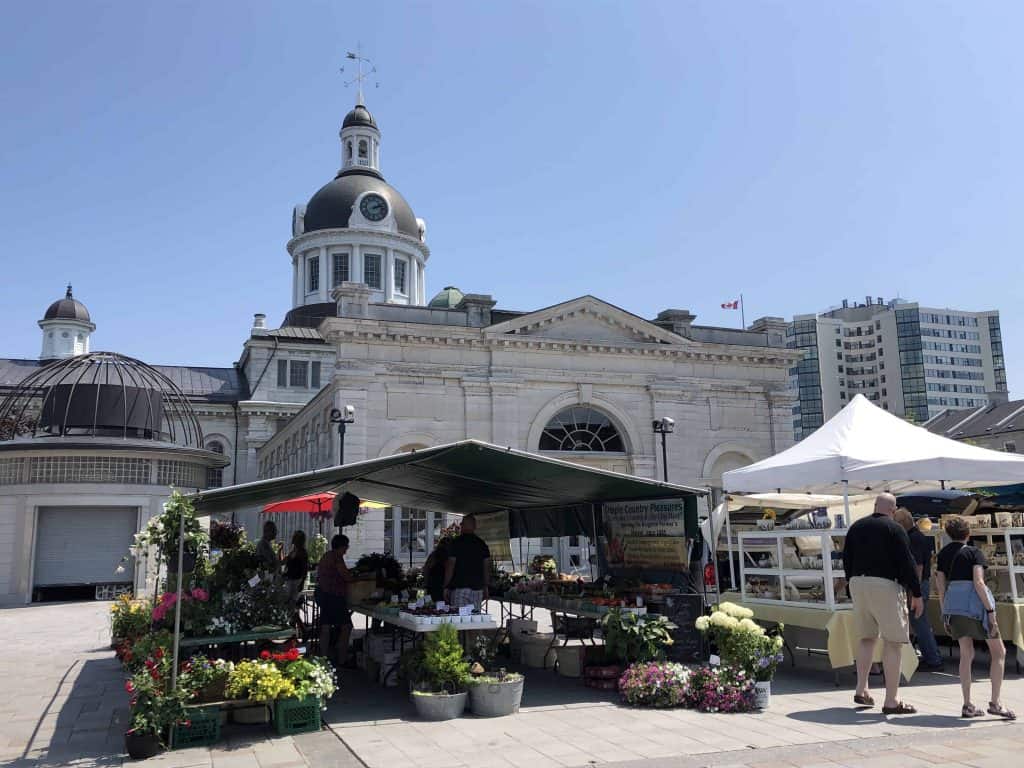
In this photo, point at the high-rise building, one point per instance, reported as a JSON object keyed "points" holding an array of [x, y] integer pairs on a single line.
{"points": [[914, 361]]}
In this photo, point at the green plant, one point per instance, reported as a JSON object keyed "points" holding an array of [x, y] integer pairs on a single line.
{"points": [[199, 672], [259, 681], [156, 705], [631, 638], [146, 647], [234, 568], [317, 548], [742, 642], [544, 564], [163, 530], [376, 562], [130, 618], [443, 669]]}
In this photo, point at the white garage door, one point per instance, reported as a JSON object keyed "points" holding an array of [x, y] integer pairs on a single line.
{"points": [[83, 545]]}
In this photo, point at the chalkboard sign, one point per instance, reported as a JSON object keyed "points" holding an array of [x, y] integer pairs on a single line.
{"points": [[683, 610]]}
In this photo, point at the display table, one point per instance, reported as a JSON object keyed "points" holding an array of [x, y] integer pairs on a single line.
{"points": [[238, 639], [841, 641], [408, 626]]}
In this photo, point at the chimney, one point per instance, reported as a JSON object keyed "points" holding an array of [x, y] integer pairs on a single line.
{"points": [[259, 322], [477, 307], [846, 304], [678, 321]]}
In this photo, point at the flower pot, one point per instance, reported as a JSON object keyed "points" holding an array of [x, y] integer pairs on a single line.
{"points": [[188, 562], [139, 746], [762, 694], [439, 706], [496, 699]]}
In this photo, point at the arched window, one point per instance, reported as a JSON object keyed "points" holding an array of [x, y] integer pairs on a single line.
{"points": [[215, 475], [348, 150], [363, 154], [580, 428]]}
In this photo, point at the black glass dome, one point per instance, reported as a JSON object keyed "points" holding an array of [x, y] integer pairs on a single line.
{"points": [[100, 394]]}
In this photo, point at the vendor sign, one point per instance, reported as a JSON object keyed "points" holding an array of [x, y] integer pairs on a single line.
{"points": [[647, 534], [493, 529]]}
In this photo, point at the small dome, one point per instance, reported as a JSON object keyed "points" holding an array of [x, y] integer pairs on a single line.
{"points": [[331, 206], [447, 298], [359, 115], [68, 308]]}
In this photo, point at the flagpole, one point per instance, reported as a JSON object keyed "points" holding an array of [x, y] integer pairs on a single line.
{"points": [[743, 314]]}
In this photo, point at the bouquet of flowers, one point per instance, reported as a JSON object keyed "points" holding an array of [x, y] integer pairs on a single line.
{"points": [[720, 689], [655, 684], [205, 679], [259, 681], [284, 675]]}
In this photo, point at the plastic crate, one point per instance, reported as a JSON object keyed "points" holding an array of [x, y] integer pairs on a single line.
{"points": [[203, 729], [297, 715]]}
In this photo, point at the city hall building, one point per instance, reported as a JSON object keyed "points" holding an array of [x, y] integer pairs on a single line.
{"points": [[582, 380]]}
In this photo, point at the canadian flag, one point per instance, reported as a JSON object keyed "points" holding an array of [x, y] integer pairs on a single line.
{"points": [[731, 304]]}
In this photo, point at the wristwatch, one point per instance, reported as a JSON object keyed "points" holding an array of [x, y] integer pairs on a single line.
{"points": [[990, 610]]}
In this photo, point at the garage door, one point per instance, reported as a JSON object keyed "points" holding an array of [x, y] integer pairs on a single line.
{"points": [[83, 545]]}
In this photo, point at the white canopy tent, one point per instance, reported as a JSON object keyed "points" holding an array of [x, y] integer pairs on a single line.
{"points": [[864, 448]]}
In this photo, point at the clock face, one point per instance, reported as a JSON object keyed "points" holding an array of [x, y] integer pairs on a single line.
{"points": [[373, 207]]}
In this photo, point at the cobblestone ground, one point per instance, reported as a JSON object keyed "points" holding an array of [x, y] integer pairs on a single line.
{"points": [[63, 703]]}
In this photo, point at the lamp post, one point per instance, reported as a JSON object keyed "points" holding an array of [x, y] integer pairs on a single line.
{"points": [[341, 418], [664, 426]]}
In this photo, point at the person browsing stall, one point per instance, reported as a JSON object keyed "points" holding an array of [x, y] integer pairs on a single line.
{"points": [[969, 613], [269, 560], [881, 571], [922, 547], [332, 580], [468, 568]]}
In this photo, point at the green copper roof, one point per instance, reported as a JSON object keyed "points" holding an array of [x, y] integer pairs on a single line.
{"points": [[448, 298]]}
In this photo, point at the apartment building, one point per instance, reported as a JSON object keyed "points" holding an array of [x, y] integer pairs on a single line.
{"points": [[912, 360]]}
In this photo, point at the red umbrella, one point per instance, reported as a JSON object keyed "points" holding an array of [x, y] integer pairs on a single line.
{"points": [[316, 505]]}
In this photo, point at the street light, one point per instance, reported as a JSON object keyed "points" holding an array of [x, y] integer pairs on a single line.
{"points": [[664, 426], [341, 419]]}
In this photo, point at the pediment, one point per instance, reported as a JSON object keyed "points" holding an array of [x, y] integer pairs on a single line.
{"points": [[586, 319]]}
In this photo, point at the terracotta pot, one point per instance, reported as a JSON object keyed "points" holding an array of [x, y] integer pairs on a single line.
{"points": [[140, 746]]}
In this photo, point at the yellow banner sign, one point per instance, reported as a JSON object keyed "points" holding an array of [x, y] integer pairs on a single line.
{"points": [[493, 529]]}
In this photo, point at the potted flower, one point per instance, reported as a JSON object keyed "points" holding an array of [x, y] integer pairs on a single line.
{"points": [[720, 689], [130, 619], [163, 532], [314, 682], [492, 695], [744, 644], [205, 679], [440, 675], [226, 535], [155, 706], [655, 684]]}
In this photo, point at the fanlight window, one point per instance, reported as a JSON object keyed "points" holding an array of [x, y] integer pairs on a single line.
{"points": [[579, 428]]}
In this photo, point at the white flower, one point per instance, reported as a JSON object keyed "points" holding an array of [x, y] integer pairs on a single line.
{"points": [[778, 642], [736, 611], [750, 625], [702, 623]]}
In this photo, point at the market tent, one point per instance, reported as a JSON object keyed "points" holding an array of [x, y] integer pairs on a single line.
{"points": [[865, 448], [465, 477]]}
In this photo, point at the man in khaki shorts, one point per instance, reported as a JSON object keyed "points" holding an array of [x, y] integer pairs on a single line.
{"points": [[881, 570]]}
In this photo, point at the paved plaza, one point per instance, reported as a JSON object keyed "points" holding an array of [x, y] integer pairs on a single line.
{"points": [[63, 703]]}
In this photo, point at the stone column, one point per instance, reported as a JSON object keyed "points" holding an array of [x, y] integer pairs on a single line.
{"points": [[389, 275], [325, 276]]}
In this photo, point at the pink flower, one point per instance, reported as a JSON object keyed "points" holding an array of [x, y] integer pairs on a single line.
{"points": [[200, 594]]}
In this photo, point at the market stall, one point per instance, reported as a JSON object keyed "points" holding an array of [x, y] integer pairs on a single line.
{"points": [[861, 450]]}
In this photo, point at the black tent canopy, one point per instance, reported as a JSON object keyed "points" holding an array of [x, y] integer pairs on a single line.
{"points": [[544, 496]]}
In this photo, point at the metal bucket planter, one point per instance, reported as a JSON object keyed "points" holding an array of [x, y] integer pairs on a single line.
{"points": [[188, 561], [496, 699], [762, 694], [439, 706]]}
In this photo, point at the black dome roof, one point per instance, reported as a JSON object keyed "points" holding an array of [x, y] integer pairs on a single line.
{"points": [[68, 308], [359, 115], [331, 206]]}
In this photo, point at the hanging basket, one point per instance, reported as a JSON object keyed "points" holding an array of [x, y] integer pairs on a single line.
{"points": [[188, 561]]}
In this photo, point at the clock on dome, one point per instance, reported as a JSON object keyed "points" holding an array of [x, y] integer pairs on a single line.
{"points": [[374, 207]]}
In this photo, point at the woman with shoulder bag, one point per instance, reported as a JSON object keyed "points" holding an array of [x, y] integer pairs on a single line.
{"points": [[969, 613]]}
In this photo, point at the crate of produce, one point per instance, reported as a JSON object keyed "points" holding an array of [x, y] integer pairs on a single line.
{"points": [[203, 729], [297, 715]]}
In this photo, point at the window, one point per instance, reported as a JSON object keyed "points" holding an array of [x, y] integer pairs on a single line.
{"points": [[312, 274], [314, 374], [282, 373], [547, 542], [839, 343], [579, 428], [413, 531], [215, 475], [839, 355], [339, 269], [400, 275], [371, 270], [363, 154], [1010, 446], [348, 150], [840, 368], [298, 373]]}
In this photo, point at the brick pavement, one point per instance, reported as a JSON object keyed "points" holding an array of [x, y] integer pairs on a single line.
{"points": [[63, 704]]}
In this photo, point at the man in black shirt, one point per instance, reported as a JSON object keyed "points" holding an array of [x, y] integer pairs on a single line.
{"points": [[880, 569], [468, 569], [923, 547]]}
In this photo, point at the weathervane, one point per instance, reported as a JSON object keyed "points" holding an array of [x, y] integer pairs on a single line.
{"points": [[360, 76]]}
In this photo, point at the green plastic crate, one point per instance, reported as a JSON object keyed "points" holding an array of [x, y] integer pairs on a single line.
{"points": [[203, 729], [297, 715]]}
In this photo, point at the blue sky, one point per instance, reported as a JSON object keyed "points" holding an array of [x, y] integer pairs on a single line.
{"points": [[654, 154]]}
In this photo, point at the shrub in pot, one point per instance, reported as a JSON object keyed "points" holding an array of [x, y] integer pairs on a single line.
{"points": [[439, 676], [630, 638]]}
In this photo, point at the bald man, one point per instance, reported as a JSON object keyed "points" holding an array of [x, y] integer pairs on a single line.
{"points": [[881, 570]]}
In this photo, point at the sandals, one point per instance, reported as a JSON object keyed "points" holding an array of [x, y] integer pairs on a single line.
{"points": [[1000, 711], [864, 701], [969, 710], [901, 708]]}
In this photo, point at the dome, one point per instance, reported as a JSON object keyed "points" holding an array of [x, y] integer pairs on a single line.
{"points": [[447, 298], [359, 115], [330, 207], [68, 308], [101, 395]]}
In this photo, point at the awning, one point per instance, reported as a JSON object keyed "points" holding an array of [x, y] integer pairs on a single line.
{"points": [[468, 477]]}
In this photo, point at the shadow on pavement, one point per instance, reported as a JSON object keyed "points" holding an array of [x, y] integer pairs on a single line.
{"points": [[852, 716]]}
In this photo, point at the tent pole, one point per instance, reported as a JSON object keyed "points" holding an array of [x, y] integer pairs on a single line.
{"points": [[592, 549], [177, 611], [728, 542], [846, 501]]}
